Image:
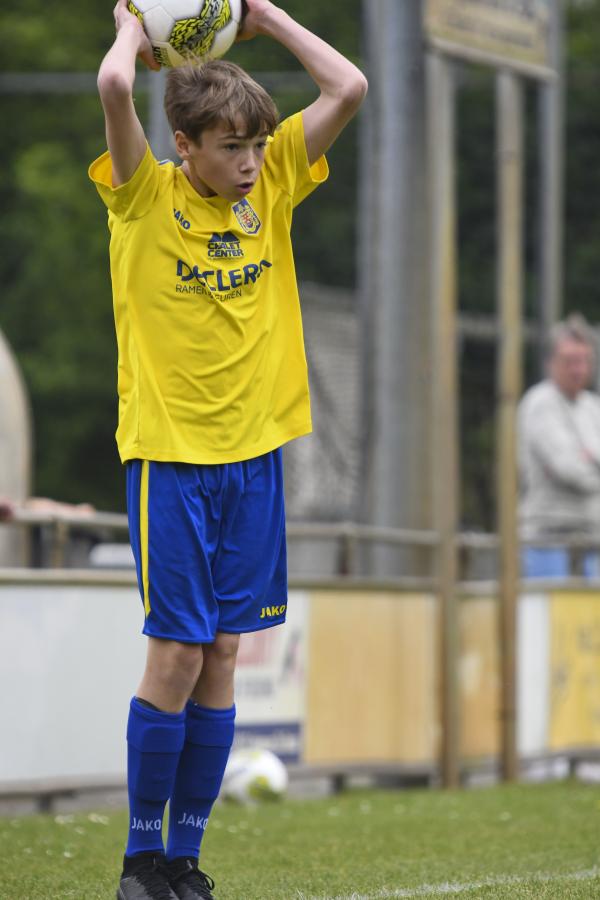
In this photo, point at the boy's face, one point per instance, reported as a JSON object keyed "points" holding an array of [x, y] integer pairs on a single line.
{"points": [[223, 161]]}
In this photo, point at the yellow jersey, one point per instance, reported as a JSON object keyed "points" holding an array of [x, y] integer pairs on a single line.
{"points": [[212, 367]]}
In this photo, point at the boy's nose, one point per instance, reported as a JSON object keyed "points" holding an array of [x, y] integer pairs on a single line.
{"points": [[247, 162]]}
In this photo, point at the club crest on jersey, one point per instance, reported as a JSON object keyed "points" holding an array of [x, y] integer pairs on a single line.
{"points": [[246, 217]]}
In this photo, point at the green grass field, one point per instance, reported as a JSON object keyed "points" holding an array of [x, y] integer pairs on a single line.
{"points": [[515, 841]]}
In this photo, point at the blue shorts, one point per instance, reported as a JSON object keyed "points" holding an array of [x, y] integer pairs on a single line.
{"points": [[209, 546]]}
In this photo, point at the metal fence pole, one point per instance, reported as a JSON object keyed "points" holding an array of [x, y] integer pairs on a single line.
{"points": [[510, 289], [392, 272], [551, 161], [442, 225]]}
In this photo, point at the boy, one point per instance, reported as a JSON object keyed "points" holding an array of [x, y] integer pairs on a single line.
{"points": [[212, 381]]}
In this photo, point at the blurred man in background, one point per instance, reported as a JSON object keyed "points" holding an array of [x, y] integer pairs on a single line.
{"points": [[559, 456]]}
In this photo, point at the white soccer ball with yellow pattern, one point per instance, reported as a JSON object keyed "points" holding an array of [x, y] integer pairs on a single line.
{"points": [[188, 31], [254, 775]]}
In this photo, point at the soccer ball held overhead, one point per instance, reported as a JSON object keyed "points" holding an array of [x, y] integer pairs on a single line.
{"points": [[188, 31]]}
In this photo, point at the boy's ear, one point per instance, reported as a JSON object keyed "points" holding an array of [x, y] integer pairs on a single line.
{"points": [[182, 144]]}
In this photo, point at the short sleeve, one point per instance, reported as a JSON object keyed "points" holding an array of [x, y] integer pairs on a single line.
{"points": [[136, 197], [287, 160]]}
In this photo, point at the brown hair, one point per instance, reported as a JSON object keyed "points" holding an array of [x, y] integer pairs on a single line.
{"points": [[200, 97]]}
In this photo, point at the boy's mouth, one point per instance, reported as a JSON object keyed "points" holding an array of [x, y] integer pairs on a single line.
{"points": [[245, 187]]}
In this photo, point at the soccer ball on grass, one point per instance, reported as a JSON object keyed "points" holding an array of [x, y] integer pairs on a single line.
{"points": [[188, 31], [254, 775]]}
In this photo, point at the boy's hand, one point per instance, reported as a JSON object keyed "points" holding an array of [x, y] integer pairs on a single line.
{"points": [[123, 18], [253, 14]]}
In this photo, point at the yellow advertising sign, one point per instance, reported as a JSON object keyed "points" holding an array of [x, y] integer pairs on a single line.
{"points": [[500, 32], [574, 671]]}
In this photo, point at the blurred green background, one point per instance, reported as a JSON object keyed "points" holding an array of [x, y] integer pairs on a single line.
{"points": [[55, 305]]}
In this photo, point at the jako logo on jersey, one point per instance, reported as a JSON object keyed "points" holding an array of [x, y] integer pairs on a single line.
{"points": [[218, 280], [181, 219], [224, 246], [246, 216], [146, 824], [267, 612], [194, 821]]}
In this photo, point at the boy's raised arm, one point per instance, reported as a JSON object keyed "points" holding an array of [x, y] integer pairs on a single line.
{"points": [[342, 85], [124, 133]]}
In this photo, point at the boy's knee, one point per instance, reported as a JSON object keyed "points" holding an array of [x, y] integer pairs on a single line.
{"points": [[184, 660], [222, 653], [173, 667]]}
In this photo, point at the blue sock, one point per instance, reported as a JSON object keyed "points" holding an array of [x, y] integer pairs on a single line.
{"points": [[154, 743], [208, 740]]}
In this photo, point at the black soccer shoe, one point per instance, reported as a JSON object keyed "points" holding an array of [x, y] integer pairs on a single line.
{"points": [[188, 882], [145, 877]]}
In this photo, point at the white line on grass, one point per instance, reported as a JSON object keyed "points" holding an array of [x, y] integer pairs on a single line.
{"points": [[449, 888]]}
